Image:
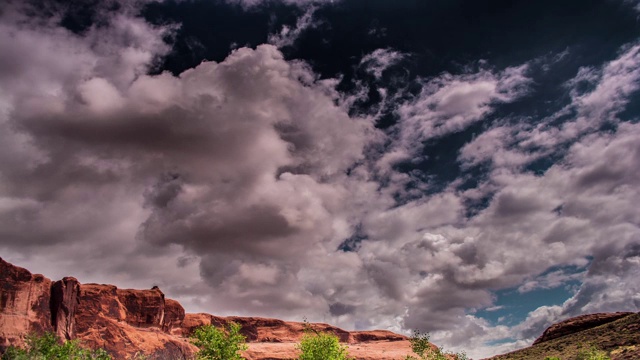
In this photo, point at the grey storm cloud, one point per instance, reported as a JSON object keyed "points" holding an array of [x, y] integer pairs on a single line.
{"points": [[233, 184]]}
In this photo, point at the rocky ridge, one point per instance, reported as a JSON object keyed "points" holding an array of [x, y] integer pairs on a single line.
{"points": [[127, 322], [616, 333], [577, 324]]}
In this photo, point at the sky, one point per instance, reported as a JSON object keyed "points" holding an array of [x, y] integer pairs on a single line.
{"points": [[464, 168]]}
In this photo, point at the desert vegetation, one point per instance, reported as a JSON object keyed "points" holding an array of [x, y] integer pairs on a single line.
{"points": [[321, 346], [424, 350], [219, 343], [227, 343], [47, 347], [592, 353]]}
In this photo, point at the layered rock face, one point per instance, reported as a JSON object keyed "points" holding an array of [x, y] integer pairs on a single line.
{"points": [[24, 304], [124, 322], [127, 322]]}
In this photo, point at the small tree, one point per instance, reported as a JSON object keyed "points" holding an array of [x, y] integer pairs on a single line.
{"points": [[219, 344], [421, 346]]}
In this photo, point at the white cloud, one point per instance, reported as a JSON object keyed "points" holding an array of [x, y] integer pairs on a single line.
{"points": [[451, 103], [380, 60], [240, 163], [246, 173], [550, 281], [288, 35]]}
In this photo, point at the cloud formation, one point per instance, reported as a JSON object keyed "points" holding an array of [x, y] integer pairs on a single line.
{"points": [[234, 185]]}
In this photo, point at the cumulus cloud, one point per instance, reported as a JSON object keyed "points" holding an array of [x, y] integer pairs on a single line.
{"points": [[242, 163], [234, 184], [451, 103], [577, 209]]}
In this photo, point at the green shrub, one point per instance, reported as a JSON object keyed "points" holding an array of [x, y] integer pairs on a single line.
{"points": [[421, 346], [552, 358], [321, 346], [47, 347], [219, 344]]}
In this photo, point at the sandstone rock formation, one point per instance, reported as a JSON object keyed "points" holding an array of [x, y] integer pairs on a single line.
{"points": [[577, 324], [276, 339], [127, 322], [24, 304], [615, 333], [64, 302]]}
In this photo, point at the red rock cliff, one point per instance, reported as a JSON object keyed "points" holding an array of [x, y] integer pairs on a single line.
{"points": [[126, 322], [24, 304]]}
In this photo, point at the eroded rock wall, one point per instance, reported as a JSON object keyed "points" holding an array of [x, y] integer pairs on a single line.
{"points": [[127, 322], [24, 304]]}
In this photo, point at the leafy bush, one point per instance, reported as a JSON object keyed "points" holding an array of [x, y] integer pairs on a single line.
{"points": [[219, 344], [421, 346], [321, 346], [47, 347]]}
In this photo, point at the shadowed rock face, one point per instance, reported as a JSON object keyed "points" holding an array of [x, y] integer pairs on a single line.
{"points": [[125, 321], [577, 324], [64, 302]]}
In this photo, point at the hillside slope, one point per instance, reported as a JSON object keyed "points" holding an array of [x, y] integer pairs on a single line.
{"points": [[620, 337]]}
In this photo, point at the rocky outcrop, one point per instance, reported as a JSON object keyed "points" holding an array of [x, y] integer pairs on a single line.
{"points": [[122, 321], [64, 302], [173, 317], [127, 322], [617, 334], [257, 329], [275, 339], [24, 304], [577, 324]]}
